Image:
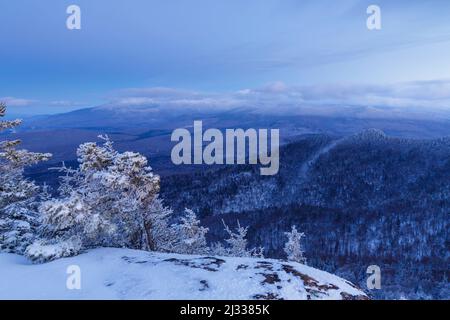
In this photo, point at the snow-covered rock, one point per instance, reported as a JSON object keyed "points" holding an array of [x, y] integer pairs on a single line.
{"points": [[109, 273]]}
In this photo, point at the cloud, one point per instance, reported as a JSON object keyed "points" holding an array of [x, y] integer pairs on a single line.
{"points": [[415, 99], [419, 94], [22, 106], [408, 99], [17, 102], [65, 103], [171, 98]]}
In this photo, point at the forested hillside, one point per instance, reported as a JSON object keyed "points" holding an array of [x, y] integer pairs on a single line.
{"points": [[361, 200]]}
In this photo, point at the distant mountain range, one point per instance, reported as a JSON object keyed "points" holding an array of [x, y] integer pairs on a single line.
{"points": [[147, 129]]}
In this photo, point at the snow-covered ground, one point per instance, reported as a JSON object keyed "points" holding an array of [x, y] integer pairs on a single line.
{"points": [[109, 273]]}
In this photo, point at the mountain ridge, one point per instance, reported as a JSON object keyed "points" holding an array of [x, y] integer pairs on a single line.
{"points": [[369, 199]]}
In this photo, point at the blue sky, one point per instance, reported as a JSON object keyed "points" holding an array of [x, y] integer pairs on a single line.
{"points": [[216, 47]]}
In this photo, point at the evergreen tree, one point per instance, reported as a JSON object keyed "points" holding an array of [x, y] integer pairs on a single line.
{"points": [[110, 200], [293, 247], [18, 195], [236, 244], [190, 235]]}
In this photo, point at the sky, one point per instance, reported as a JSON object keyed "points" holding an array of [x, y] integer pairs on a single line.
{"points": [[317, 50]]}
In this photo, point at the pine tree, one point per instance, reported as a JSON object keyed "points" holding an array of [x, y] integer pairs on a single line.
{"points": [[236, 244], [18, 195], [159, 234], [190, 235], [110, 200], [293, 247]]}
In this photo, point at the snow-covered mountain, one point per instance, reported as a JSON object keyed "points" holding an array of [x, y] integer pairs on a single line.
{"points": [[363, 199], [109, 273]]}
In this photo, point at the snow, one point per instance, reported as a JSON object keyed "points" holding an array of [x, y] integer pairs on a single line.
{"points": [[109, 273]]}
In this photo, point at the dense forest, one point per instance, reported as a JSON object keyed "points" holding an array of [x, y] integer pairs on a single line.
{"points": [[361, 200]]}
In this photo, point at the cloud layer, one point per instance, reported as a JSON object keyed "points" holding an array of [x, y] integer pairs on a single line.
{"points": [[409, 99], [17, 102], [418, 99]]}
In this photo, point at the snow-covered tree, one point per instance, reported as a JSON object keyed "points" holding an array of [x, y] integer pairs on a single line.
{"points": [[41, 250], [237, 240], [293, 247], [218, 249], [190, 235], [161, 235], [18, 195], [236, 244], [110, 200]]}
